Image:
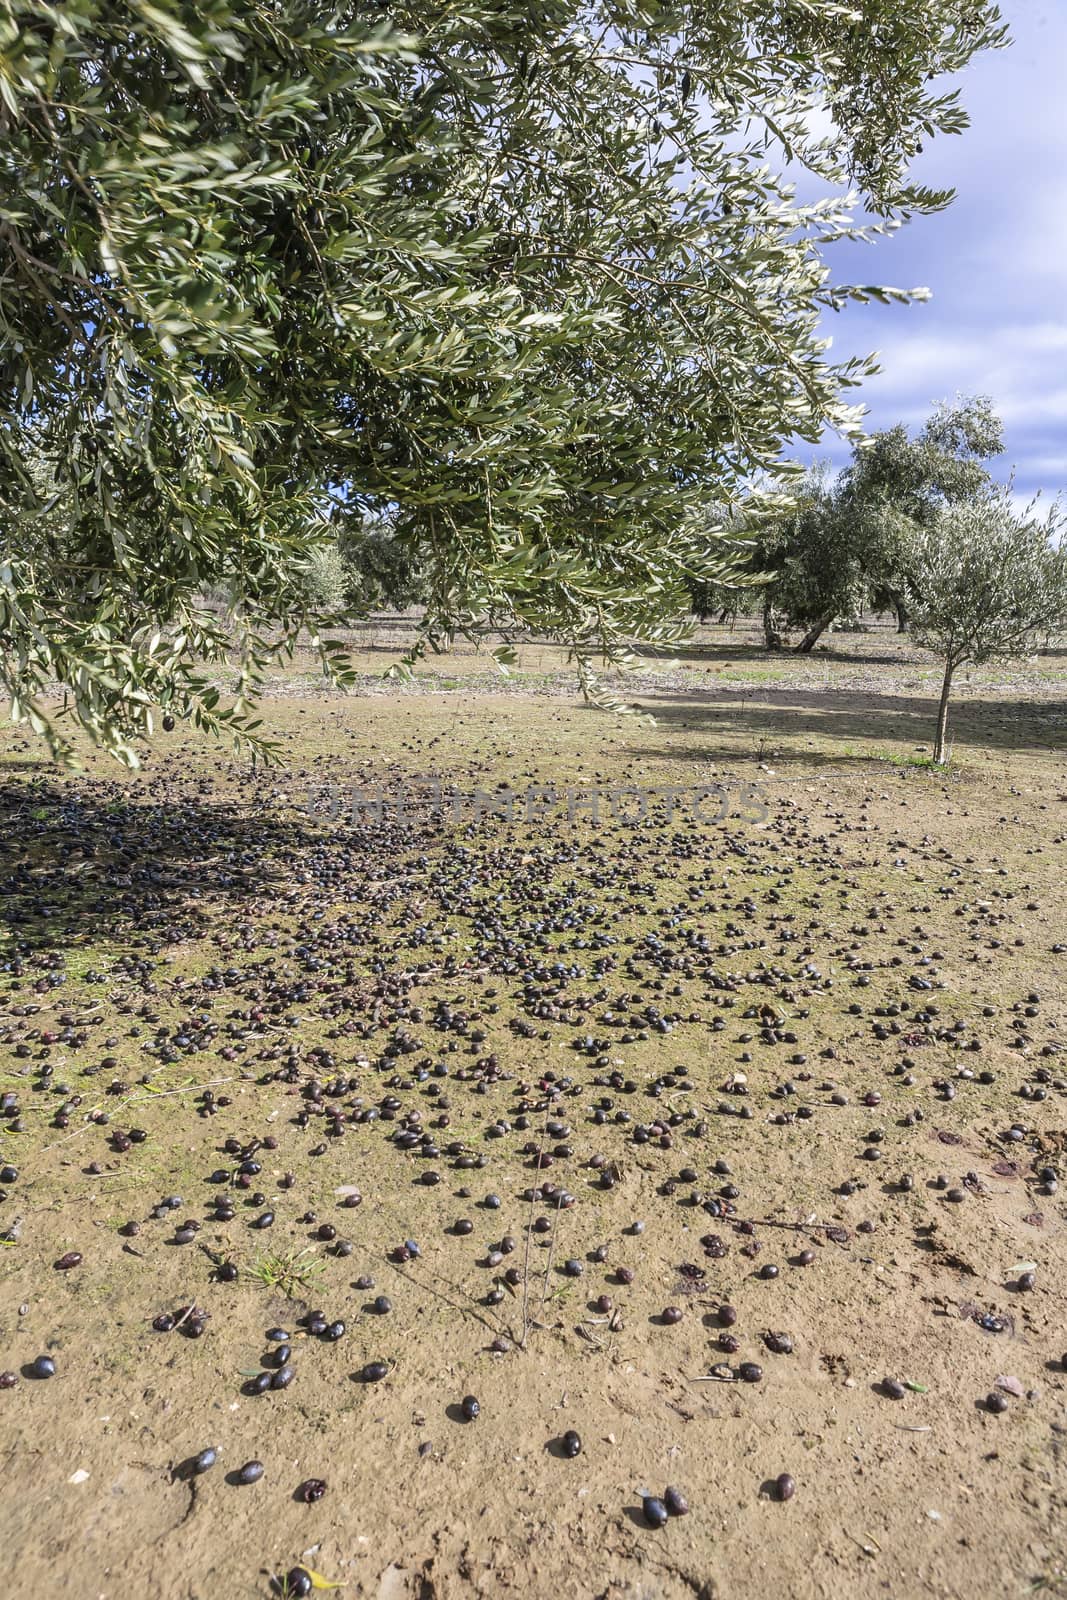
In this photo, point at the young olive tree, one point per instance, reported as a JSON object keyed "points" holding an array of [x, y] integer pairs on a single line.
{"points": [[988, 583]]}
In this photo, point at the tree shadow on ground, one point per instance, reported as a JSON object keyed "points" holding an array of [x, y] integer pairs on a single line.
{"points": [[772, 715], [82, 859], [750, 654]]}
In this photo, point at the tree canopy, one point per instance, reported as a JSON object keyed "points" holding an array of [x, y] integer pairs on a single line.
{"points": [[848, 542], [532, 280]]}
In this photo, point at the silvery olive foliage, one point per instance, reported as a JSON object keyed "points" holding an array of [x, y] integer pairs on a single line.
{"points": [[990, 584], [846, 542], [531, 280]]}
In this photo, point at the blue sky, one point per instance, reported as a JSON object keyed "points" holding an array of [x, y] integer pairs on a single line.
{"points": [[995, 262]]}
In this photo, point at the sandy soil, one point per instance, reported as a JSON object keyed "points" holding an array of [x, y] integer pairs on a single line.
{"points": [[885, 938]]}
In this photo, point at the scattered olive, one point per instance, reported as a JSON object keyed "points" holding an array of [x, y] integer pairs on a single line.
{"points": [[656, 1512]]}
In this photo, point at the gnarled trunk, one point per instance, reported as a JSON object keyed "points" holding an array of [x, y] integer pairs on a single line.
{"points": [[771, 637], [813, 635]]}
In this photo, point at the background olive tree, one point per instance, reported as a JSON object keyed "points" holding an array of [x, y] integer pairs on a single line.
{"points": [[531, 280], [989, 584], [845, 545], [898, 482]]}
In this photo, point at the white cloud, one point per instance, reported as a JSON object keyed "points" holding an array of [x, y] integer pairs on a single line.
{"points": [[1021, 368]]}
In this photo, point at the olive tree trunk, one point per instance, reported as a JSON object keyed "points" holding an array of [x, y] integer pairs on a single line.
{"points": [[814, 634], [942, 712], [771, 637]]}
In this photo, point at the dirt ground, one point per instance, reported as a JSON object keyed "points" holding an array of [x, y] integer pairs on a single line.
{"points": [[816, 1024]]}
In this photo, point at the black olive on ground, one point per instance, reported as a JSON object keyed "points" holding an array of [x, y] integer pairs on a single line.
{"points": [[656, 1512]]}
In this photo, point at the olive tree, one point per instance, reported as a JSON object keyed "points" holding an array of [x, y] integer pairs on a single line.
{"points": [[897, 482], [845, 544], [988, 583], [380, 570], [811, 552], [532, 281]]}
